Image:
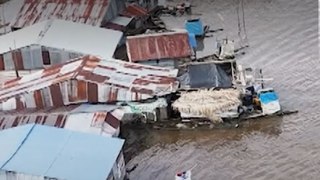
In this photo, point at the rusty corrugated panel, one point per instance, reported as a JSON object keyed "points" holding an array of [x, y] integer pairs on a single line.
{"points": [[82, 90], [92, 93], [38, 99], [83, 11], [77, 91], [17, 57], [134, 10], [99, 117], [60, 121], [113, 121], [45, 57], [114, 26], [70, 117], [56, 95], [19, 103], [158, 46], [89, 79], [1, 62]]}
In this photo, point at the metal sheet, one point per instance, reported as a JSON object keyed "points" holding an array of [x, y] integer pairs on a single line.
{"points": [[48, 150], [134, 10], [168, 63], [8, 61], [35, 60], [89, 79], [71, 38], [94, 119], [1, 62], [158, 46], [89, 12]]}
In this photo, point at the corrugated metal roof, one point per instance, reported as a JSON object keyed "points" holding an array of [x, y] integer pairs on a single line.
{"points": [[119, 23], [87, 79], [158, 46], [95, 119], [58, 153], [64, 35], [90, 12], [134, 10], [8, 12]]}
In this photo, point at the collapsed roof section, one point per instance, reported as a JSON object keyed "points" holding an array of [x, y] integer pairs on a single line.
{"points": [[95, 119], [87, 79]]}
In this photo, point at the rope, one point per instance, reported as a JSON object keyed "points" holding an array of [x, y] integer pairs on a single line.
{"points": [[244, 23], [242, 43], [239, 25], [19, 147]]}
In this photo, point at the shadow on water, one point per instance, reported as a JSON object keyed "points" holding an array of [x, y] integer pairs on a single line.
{"points": [[140, 138]]}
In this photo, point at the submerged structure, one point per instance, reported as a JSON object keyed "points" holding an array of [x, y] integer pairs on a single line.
{"points": [[42, 152]]}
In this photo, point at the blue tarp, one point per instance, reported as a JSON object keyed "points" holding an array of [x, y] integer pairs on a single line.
{"points": [[194, 26], [192, 40], [58, 153], [268, 97]]}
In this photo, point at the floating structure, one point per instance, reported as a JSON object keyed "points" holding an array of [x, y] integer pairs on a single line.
{"points": [[42, 152]]}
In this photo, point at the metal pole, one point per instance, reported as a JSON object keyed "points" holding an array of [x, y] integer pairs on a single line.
{"points": [[261, 76], [14, 60]]}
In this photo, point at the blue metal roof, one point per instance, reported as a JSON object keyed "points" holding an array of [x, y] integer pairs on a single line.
{"points": [[57, 153]]}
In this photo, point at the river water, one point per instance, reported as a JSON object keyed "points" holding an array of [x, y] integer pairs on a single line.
{"points": [[283, 38]]}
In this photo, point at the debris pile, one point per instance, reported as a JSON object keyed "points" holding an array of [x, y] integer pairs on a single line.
{"points": [[208, 103]]}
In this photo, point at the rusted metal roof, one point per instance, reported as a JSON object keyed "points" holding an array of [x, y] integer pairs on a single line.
{"points": [[8, 12], [90, 12], [134, 10], [87, 79], [103, 120], [170, 45]]}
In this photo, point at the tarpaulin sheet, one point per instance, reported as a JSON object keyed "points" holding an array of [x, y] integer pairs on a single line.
{"points": [[192, 40], [268, 97], [194, 26], [205, 76]]}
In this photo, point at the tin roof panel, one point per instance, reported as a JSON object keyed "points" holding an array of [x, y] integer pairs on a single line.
{"points": [[83, 11], [108, 81], [64, 35], [48, 150], [158, 46]]}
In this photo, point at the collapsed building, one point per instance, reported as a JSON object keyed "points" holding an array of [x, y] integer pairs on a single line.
{"points": [[49, 96]]}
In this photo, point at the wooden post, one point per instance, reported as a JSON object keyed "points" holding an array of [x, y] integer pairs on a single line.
{"points": [[15, 62]]}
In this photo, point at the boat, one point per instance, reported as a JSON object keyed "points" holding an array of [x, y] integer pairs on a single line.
{"points": [[184, 175]]}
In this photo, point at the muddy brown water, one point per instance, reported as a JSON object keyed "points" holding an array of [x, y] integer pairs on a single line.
{"points": [[283, 39]]}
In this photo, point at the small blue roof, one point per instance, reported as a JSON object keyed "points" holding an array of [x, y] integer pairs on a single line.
{"points": [[57, 153], [194, 26]]}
